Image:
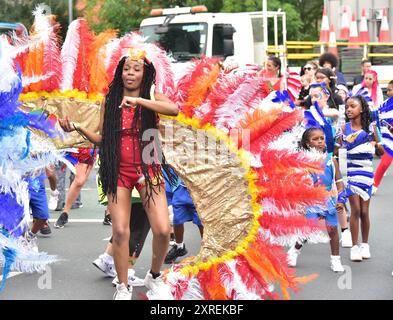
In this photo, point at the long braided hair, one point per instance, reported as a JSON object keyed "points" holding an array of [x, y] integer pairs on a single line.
{"points": [[110, 146]]}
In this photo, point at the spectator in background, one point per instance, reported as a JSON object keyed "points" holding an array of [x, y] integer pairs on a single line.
{"points": [[389, 90], [307, 74], [365, 66], [330, 61], [325, 75], [342, 91], [370, 82]]}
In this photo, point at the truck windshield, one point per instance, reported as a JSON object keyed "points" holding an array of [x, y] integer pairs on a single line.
{"points": [[182, 41]]}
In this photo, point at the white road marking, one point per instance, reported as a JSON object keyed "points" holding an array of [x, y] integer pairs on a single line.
{"points": [[106, 239]]}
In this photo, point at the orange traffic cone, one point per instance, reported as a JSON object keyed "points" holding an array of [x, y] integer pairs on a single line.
{"points": [[353, 33], [332, 41], [324, 36], [384, 33], [344, 33], [363, 30]]}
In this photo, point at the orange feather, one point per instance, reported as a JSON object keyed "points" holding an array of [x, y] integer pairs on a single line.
{"points": [[98, 81], [199, 91]]}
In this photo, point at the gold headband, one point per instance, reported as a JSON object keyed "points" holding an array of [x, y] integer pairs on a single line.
{"points": [[136, 55]]}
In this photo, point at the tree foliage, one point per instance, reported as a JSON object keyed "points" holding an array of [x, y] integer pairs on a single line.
{"points": [[21, 11]]}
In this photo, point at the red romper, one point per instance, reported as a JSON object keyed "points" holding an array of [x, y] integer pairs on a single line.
{"points": [[130, 172]]}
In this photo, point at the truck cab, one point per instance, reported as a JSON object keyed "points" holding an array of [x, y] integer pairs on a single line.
{"points": [[8, 28], [190, 32]]}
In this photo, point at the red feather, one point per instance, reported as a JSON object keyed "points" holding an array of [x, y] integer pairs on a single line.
{"points": [[247, 277], [282, 226], [291, 194], [224, 88], [275, 161], [200, 69], [264, 127], [82, 71]]}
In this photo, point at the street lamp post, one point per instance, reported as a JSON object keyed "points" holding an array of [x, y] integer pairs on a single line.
{"points": [[70, 18], [265, 31]]}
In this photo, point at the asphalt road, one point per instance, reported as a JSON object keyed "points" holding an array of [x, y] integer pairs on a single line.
{"points": [[79, 243]]}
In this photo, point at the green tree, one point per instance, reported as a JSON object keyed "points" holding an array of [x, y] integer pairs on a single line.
{"points": [[21, 11]]}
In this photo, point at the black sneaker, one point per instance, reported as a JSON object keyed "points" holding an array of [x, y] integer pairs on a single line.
{"points": [[62, 221], [174, 253], [107, 219], [46, 229]]}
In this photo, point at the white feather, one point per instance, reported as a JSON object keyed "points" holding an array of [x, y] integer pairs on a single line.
{"points": [[69, 55]]}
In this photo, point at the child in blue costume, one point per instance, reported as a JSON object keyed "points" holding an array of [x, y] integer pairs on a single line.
{"points": [[180, 203], [359, 137], [39, 209], [314, 138]]}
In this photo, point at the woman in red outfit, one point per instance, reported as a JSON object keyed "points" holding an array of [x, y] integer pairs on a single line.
{"points": [[130, 110], [273, 74]]}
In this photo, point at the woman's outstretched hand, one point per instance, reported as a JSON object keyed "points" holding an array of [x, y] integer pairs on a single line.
{"points": [[66, 124]]}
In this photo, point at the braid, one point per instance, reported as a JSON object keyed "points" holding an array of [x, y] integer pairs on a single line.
{"points": [[148, 120], [110, 146]]}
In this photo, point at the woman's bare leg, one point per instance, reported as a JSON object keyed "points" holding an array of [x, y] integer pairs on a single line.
{"points": [[82, 174], [158, 215], [120, 212]]}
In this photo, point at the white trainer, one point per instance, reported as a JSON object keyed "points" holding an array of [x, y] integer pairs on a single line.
{"points": [[292, 256], [53, 199], [28, 242], [104, 266], [133, 280], [158, 289], [122, 292], [335, 264], [365, 251], [356, 254], [346, 239]]}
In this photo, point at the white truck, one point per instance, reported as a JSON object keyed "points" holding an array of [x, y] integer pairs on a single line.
{"points": [[189, 32]]}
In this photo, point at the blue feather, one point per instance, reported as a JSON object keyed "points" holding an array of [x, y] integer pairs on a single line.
{"points": [[283, 97], [11, 214], [10, 257], [361, 92]]}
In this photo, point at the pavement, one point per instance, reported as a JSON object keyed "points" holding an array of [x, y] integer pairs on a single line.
{"points": [[85, 237]]}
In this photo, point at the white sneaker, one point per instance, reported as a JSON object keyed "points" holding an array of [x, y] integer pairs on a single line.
{"points": [[53, 198], [28, 242], [122, 292], [374, 190], [104, 266], [158, 290], [356, 254], [292, 256], [133, 280], [335, 264], [346, 239], [365, 251]]}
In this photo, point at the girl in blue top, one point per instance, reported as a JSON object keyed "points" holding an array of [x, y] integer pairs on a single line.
{"points": [[359, 137]]}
